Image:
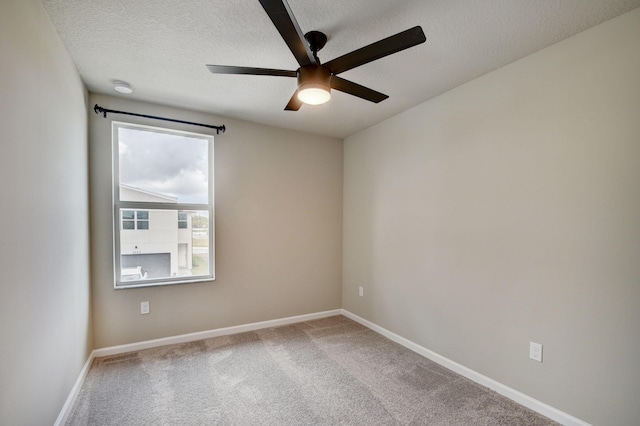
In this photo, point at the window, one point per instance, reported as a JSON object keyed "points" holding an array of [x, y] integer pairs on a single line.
{"points": [[183, 222], [135, 219], [163, 206]]}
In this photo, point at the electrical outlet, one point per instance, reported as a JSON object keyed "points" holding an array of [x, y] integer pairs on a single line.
{"points": [[144, 307], [360, 291], [535, 351]]}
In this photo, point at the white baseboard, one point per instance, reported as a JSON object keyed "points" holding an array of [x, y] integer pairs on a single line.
{"points": [[522, 399], [192, 337], [73, 395]]}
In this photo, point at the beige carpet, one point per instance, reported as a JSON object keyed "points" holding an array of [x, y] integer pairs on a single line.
{"points": [[331, 371]]}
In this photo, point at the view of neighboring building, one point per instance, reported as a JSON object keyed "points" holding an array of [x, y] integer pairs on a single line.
{"points": [[154, 243]]}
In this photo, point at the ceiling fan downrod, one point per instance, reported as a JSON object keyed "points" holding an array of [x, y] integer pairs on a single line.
{"points": [[317, 41]]}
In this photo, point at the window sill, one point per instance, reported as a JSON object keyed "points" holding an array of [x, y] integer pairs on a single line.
{"points": [[141, 284]]}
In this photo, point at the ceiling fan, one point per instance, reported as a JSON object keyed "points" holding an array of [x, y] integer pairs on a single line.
{"points": [[315, 80]]}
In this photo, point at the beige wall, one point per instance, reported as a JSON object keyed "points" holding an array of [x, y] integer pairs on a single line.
{"points": [[508, 210], [278, 214], [45, 329]]}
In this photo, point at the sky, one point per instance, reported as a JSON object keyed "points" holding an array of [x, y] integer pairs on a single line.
{"points": [[167, 164]]}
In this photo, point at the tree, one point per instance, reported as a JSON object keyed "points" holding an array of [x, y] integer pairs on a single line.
{"points": [[199, 221]]}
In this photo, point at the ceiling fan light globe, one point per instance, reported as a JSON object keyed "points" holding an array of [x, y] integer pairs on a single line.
{"points": [[314, 94]]}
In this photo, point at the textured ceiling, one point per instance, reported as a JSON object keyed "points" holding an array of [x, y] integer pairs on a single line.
{"points": [[161, 48]]}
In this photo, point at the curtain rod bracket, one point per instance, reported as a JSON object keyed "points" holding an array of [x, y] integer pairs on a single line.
{"points": [[98, 109]]}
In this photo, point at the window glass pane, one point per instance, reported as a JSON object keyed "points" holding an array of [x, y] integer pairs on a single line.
{"points": [[128, 224], [142, 214], [182, 215], [162, 167], [200, 238], [164, 249], [127, 214]]}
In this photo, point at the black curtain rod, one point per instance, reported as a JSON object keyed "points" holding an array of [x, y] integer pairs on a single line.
{"points": [[98, 109]]}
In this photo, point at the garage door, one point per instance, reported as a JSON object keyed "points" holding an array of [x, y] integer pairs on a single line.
{"points": [[157, 265]]}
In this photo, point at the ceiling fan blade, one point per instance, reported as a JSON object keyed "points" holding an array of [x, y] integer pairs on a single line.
{"points": [[377, 50], [225, 69], [355, 89], [282, 17], [294, 103]]}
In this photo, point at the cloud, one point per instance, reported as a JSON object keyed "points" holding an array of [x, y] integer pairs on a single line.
{"points": [[168, 164]]}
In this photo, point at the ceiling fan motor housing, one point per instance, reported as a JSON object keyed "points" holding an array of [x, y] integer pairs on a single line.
{"points": [[314, 76]]}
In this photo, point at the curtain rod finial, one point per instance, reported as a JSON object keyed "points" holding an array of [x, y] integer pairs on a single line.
{"points": [[97, 109]]}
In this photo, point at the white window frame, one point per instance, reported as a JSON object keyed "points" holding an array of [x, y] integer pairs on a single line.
{"points": [[145, 205]]}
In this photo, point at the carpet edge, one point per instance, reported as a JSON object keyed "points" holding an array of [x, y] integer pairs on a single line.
{"points": [[65, 411], [201, 335], [75, 391], [504, 390]]}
